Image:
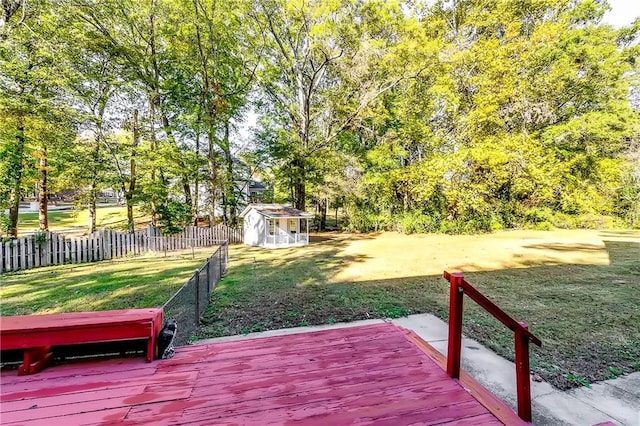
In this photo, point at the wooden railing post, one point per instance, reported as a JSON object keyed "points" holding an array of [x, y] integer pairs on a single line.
{"points": [[455, 326], [522, 336], [523, 385]]}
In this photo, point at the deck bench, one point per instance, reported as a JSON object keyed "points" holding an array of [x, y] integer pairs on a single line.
{"points": [[35, 334]]}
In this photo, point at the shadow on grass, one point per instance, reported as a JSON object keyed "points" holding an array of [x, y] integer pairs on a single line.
{"points": [[586, 315], [135, 283], [620, 233], [565, 247]]}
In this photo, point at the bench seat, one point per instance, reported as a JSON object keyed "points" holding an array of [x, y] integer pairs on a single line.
{"points": [[35, 334]]}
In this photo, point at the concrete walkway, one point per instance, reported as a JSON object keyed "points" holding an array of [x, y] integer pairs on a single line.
{"points": [[616, 401]]}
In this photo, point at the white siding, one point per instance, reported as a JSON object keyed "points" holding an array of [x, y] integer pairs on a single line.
{"points": [[254, 228]]}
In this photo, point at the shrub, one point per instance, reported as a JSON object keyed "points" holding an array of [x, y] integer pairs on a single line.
{"points": [[416, 223], [563, 221], [595, 222], [4, 223], [627, 204], [543, 226], [368, 221], [173, 216], [538, 215], [40, 238], [469, 226]]}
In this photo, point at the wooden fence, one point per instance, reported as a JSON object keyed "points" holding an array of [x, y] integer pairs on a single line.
{"points": [[47, 248]]}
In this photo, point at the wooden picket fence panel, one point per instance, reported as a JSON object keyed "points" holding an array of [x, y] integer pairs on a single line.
{"points": [[48, 248]]}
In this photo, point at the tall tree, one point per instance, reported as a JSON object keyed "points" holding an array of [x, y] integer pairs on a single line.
{"points": [[222, 45], [35, 120], [514, 121], [324, 64]]}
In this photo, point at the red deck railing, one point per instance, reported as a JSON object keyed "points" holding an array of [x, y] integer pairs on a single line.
{"points": [[458, 287]]}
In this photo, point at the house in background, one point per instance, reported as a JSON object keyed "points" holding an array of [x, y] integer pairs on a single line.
{"points": [[246, 191], [255, 190], [275, 225]]}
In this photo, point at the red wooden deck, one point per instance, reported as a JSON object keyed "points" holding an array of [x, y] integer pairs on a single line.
{"points": [[361, 375]]}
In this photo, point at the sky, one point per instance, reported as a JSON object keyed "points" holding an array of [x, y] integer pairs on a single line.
{"points": [[622, 12]]}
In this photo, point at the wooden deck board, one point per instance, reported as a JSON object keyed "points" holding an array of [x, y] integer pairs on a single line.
{"points": [[361, 375]]}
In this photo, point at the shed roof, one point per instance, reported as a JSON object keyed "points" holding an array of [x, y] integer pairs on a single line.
{"points": [[275, 211]]}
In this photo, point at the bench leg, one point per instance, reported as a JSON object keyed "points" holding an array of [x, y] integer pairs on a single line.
{"points": [[34, 360], [156, 327], [151, 347]]}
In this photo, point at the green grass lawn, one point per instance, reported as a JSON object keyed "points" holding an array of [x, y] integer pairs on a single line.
{"points": [[76, 222], [138, 282], [578, 290]]}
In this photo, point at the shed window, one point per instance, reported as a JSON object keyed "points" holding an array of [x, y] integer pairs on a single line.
{"points": [[272, 227], [293, 226]]}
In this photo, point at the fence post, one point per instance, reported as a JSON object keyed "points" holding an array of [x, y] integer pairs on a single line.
{"points": [[523, 385], [196, 275], [455, 326], [226, 255], [47, 249], [7, 257], [106, 245], [151, 242], [209, 278], [53, 252], [37, 252], [23, 253], [206, 286], [15, 255], [220, 258]]}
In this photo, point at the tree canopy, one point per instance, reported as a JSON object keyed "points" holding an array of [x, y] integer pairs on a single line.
{"points": [[421, 116]]}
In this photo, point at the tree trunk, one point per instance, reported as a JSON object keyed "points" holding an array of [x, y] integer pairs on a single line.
{"points": [[186, 186], [15, 192], [195, 201], [213, 175], [130, 224], [322, 205], [154, 147], [187, 194], [93, 189], [232, 200], [196, 186], [299, 188], [128, 193], [207, 95], [225, 209], [92, 208], [154, 107], [14, 208], [43, 197]]}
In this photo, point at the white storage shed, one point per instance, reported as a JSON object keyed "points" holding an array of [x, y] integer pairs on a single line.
{"points": [[275, 225]]}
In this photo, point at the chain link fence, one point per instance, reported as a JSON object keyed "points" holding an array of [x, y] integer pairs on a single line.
{"points": [[189, 303]]}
